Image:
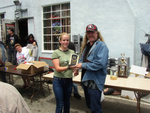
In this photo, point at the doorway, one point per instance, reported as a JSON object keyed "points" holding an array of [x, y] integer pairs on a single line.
{"points": [[23, 31]]}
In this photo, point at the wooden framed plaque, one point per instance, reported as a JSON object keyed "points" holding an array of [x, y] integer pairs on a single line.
{"points": [[73, 59], [122, 71]]}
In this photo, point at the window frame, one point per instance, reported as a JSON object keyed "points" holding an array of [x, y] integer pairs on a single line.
{"points": [[65, 15]]}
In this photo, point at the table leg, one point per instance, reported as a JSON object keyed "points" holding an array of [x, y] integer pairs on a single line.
{"points": [[40, 89], [138, 98], [41, 85], [33, 89]]}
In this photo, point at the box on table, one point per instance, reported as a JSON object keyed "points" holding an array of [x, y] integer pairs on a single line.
{"points": [[148, 75], [32, 67]]}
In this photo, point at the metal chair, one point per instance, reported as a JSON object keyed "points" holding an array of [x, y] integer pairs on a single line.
{"points": [[51, 69]]}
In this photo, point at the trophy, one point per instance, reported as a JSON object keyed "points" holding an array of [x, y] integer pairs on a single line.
{"points": [[122, 67], [73, 59]]}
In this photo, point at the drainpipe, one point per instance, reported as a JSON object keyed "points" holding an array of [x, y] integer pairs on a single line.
{"points": [[17, 15]]}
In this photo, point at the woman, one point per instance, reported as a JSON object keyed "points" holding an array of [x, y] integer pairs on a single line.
{"points": [[22, 57], [32, 45], [31, 40], [62, 81]]}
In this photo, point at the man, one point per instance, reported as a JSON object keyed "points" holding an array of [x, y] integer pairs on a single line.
{"points": [[93, 62], [11, 40], [3, 57], [11, 100]]}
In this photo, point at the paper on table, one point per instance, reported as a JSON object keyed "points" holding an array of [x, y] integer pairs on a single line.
{"points": [[138, 70]]}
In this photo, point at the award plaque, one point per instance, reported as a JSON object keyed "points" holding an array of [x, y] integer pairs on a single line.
{"points": [[122, 68], [73, 59]]}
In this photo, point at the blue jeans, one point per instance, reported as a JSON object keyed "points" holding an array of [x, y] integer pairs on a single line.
{"points": [[62, 89], [92, 97], [12, 56], [75, 87]]}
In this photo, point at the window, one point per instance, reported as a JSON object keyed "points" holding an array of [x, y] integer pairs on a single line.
{"points": [[56, 19]]}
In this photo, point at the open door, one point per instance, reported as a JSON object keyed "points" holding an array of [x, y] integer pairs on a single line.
{"points": [[23, 31], [5, 25], [20, 27]]}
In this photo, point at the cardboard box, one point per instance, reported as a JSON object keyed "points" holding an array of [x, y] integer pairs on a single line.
{"points": [[135, 71], [148, 75], [32, 67]]}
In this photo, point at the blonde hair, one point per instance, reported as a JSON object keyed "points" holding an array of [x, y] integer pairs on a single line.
{"points": [[17, 44], [61, 35], [85, 40]]}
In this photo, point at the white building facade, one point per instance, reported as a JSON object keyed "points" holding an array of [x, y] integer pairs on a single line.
{"points": [[122, 23]]}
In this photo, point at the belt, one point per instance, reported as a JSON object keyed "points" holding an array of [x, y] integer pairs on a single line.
{"points": [[57, 78]]}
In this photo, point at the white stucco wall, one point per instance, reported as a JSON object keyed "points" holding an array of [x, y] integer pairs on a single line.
{"points": [[114, 19], [121, 22], [141, 10]]}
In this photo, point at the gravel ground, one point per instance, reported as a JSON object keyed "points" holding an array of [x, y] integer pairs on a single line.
{"points": [[46, 103]]}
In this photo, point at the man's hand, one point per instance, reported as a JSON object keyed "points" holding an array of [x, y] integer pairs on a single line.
{"points": [[79, 66], [72, 67], [76, 72]]}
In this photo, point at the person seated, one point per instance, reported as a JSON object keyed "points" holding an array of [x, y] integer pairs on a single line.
{"points": [[22, 57], [11, 100]]}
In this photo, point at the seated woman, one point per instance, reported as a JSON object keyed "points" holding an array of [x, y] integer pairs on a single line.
{"points": [[22, 57]]}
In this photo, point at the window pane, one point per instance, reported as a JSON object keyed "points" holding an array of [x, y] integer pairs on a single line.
{"points": [[55, 7], [47, 30], [55, 38], [47, 15], [66, 29], [55, 44], [47, 38], [66, 6], [56, 15], [56, 30], [56, 22], [65, 13], [47, 23], [47, 46], [47, 9], [65, 21]]}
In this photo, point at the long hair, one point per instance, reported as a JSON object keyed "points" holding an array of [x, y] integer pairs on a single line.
{"points": [[85, 40], [31, 35]]}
